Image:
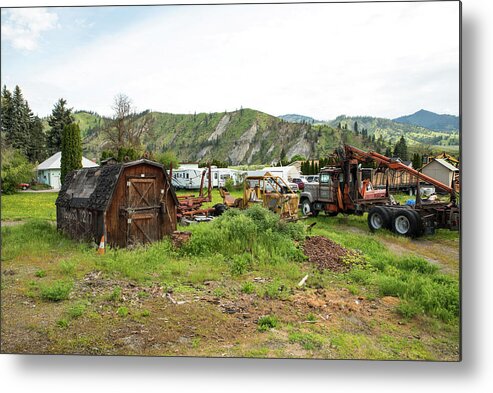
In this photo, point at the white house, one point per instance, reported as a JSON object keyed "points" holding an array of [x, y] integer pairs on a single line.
{"points": [[49, 171], [440, 170]]}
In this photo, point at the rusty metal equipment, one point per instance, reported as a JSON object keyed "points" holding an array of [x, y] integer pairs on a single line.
{"points": [[191, 205], [269, 191]]}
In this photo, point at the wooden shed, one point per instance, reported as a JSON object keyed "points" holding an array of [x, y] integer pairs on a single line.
{"points": [[441, 170], [130, 204]]}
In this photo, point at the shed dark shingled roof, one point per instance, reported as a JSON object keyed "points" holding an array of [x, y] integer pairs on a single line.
{"points": [[92, 188]]}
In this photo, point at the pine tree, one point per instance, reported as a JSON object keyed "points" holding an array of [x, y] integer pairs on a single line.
{"points": [[356, 127], [417, 163], [388, 152], [71, 149], [60, 117], [19, 133], [6, 112], [36, 151]]}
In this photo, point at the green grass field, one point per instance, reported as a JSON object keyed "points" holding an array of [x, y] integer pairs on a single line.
{"points": [[29, 205], [231, 291]]}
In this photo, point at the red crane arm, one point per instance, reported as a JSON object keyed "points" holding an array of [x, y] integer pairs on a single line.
{"points": [[361, 155]]}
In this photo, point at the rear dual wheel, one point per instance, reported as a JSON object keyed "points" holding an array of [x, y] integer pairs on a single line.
{"points": [[407, 222], [379, 218]]}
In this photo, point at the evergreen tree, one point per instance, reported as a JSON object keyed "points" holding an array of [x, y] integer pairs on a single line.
{"points": [[36, 150], [388, 152], [417, 163], [19, 133], [60, 117], [356, 127], [400, 149], [6, 111], [71, 149]]}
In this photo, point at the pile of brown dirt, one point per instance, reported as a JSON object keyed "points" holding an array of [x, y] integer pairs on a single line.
{"points": [[327, 254]]}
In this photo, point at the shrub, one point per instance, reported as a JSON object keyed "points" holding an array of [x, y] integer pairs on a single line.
{"points": [[256, 232], [62, 323], [248, 287], [122, 311], [229, 184], [76, 310], [115, 295], [408, 309], [67, 267], [57, 291], [267, 322], [240, 264], [15, 169], [40, 273]]}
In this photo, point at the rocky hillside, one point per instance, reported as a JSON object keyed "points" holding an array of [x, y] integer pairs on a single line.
{"points": [[248, 136], [242, 137]]}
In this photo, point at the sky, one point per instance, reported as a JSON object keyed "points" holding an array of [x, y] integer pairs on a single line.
{"points": [[319, 60]]}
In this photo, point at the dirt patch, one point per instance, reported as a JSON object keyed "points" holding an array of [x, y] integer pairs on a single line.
{"points": [[11, 223], [327, 254]]}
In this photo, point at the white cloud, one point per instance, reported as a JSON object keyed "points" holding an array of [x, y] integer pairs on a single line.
{"points": [[23, 27], [380, 59]]}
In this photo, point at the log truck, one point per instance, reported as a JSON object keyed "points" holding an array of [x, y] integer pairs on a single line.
{"points": [[345, 187]]}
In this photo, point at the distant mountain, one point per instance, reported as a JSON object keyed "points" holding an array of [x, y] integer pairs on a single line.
{"points": [[294, 118], [431, 120], [391, 131]]}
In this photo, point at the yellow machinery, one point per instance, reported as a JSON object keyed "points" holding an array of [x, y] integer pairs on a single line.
{"points": [[271, 192]]}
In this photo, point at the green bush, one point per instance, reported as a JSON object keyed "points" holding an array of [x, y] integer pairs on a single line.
{"points": [[57, 291], [255, 232], [267, 322], [122, 311], [240, 264], [40, 273], [76, 310], [229, 184], [15, 169], [248, 287], [408, 309], [115, 295]]}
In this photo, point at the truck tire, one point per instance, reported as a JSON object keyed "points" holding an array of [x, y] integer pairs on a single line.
{"points": [[420, 229], [219, 209], [307, 208], [379, 218], [405, 223]]}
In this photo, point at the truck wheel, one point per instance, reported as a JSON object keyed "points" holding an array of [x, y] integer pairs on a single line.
{"points": [[219, 209], [420, 229], [405, 223], [379, 218], [307, 209]]}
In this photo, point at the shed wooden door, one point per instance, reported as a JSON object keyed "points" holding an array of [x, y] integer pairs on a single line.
{"points": [[142, 209]]}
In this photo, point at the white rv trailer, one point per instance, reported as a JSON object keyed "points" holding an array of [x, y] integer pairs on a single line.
{"points": [[189, 178], [221, 175]]}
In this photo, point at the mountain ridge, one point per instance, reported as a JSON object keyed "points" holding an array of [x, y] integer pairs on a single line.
{"points": [[431, 120], [249, 136]]}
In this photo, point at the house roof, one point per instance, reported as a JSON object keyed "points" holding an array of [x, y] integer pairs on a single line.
{"points": [[92, 188], [55, 162], [444, 163]]}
